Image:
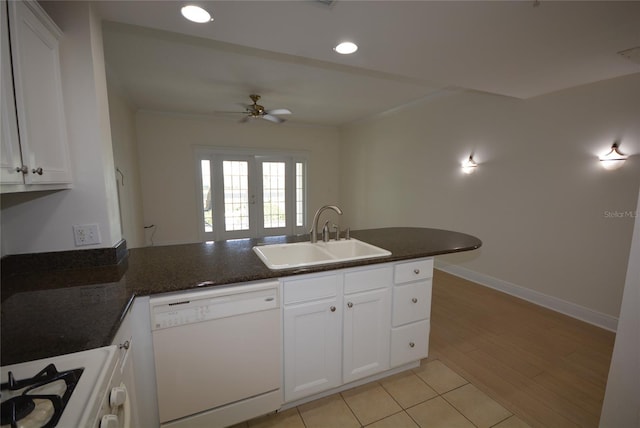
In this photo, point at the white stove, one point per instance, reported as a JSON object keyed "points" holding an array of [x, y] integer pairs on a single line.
{"points": [[73, 390]]}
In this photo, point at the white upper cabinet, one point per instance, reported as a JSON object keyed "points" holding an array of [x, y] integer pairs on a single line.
{"points": [[35, 152], [10, 159]]}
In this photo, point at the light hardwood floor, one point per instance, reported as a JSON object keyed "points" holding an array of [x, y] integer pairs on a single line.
{"points": [[548, 369]]}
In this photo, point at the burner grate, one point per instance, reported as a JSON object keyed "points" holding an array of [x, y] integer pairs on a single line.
{"points": [[21, 406]]}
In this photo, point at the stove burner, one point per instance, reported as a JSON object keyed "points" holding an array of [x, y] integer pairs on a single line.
{"points": [[21, 406]]}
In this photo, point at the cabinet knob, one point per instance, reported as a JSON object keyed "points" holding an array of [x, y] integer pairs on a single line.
{"points": [[38, 170], [117, 396], [414, 300], [350, 305], [23, 169], [411, 344], [124, 345], [109, 421], [416, 271], [332, 308]]}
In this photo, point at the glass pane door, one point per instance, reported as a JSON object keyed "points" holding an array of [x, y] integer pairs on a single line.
{"points": [[250, 196], [274, 200], [236, 195]]}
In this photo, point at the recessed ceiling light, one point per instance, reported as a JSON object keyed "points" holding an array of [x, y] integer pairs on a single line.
{"points": [[346, 48], [196, 14]]}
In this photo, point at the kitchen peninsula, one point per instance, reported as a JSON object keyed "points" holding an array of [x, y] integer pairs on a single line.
{"points": [[56, 312]]}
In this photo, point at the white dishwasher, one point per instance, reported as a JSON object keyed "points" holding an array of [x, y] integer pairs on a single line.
{"points": [[217, 354]]}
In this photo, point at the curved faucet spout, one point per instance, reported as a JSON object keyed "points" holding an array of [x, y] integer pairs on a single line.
{"points": [[314, 229]]}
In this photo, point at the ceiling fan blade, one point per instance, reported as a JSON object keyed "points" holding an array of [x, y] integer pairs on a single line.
{"points": [[272, 118], [279, 111]]}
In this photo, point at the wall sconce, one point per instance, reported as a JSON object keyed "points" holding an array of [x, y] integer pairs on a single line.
{"points": [[469, 166], [614, 159]]}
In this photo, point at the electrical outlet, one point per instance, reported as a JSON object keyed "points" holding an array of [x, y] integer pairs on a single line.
{"points": [[86, 234]]}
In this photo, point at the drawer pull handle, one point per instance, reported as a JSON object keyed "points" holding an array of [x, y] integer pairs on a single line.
{"points": [[38, 171], [414, 300], [411, 344], [332, 308], [350, 305], [416, 271]]}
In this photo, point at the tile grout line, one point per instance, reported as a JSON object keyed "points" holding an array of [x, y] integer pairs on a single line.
{"points": [[454, 407], [300, 415], [350, 409], [441, 395]]}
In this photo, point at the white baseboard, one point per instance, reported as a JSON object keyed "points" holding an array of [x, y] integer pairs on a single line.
{"points": [[571, 309]]}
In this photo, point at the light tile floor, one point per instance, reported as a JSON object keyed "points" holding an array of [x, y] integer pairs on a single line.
{"points": [[431, 395]]}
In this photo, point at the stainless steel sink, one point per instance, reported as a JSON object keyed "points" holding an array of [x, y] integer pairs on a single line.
{"points": [[301, 254]]}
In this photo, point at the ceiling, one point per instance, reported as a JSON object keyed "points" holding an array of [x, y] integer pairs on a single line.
{"points": [[408, 50]]}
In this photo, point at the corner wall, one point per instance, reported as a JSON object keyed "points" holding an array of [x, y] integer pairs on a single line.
{"points": [[551, 219], [125, 157], [621, 406]]}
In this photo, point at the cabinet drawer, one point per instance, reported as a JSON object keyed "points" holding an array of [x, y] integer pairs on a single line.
{"points": [[409, 343], [411, 302], [369, 279], [316, 287], [414, 271]]}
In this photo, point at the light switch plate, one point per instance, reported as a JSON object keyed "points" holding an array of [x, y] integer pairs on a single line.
{"points": [[86, 234]]}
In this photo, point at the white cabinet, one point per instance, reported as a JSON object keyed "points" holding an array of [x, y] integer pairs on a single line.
{"points": [[411, 311], [367, 319], [336, 328], [10, 158], [34, 136], [312, 335]]}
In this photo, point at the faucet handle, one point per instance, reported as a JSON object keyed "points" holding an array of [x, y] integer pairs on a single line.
{"points": [[325, 232], [347, 233], [337, 228]]}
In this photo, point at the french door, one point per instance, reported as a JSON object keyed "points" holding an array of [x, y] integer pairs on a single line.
{"points": [[247, 196]]}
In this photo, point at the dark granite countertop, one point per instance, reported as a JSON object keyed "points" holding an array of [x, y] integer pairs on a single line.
{"points": [[50, 313]]}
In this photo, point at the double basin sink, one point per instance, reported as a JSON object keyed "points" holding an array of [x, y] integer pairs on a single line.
{"points": [[302, 254]]}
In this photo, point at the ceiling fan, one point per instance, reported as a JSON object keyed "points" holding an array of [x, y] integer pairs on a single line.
{"points": [[256, 111]]}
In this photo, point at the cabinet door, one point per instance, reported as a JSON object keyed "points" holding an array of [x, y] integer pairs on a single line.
{"points": [[409, 343], [10, 160], [312, 348], [411, 302], [367, 329], [38, 93]]}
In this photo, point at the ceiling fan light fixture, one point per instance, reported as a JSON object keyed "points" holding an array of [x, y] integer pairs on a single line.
{"points": [[256, 111], [196, 14], [346, 48]]}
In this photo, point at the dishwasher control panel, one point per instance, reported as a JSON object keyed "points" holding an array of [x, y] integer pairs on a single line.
{"points": [[205, 305]]}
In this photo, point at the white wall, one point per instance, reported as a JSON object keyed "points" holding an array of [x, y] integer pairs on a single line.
{"points": [[125, 153], [168, 183], [539, 199], [621, 407], [42, 221]]}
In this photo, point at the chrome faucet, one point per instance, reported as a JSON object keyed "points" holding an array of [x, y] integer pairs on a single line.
{"points": [[314, 229]]}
